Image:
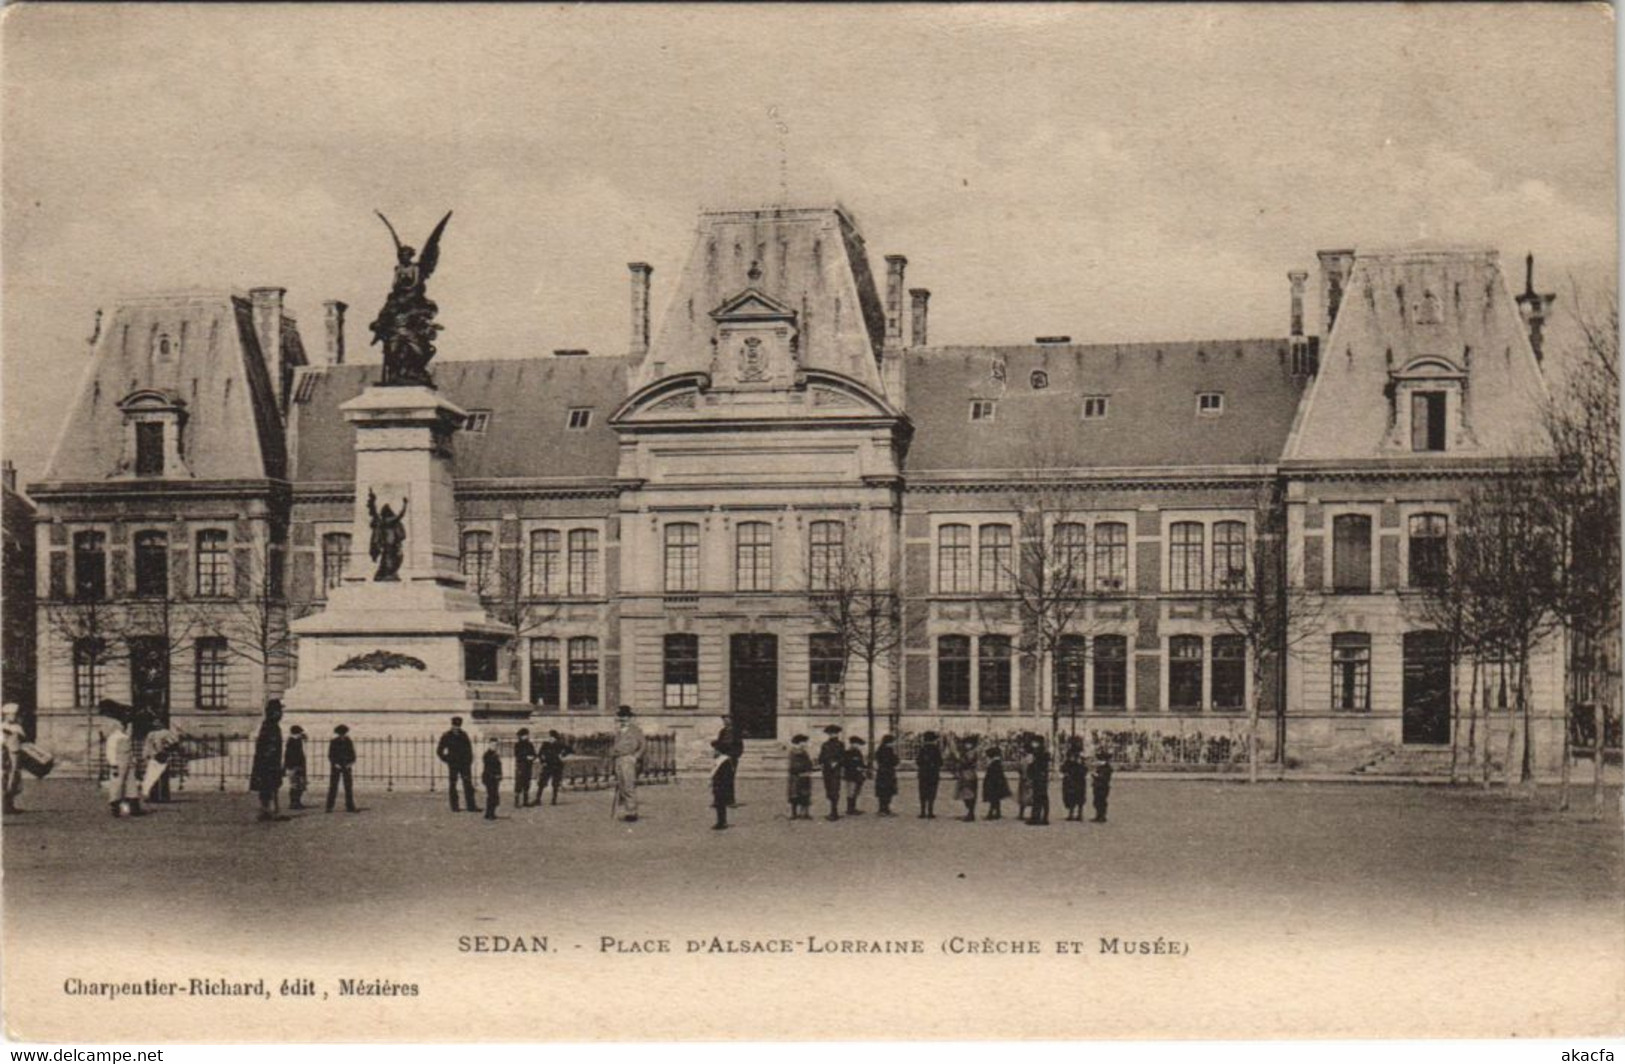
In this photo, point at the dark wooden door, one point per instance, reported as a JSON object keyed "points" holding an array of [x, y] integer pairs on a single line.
{"points": [[753, 665], [1427, 688], [149, 675]]}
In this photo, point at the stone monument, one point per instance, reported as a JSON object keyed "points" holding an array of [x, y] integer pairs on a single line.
{"points": [[402, 634]]}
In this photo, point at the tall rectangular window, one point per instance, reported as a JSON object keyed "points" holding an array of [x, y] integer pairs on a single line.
{"points": [[1429, 549], [1229, 679], [583, 561], [1111, 556], [953, 559], [1111, 672], [1351, 552], [149, 448], [89, 671], [680, 670], [953, 672], [993, 672], [213, 564], [682, 557], [151, 564], [826, 669], [544, 672], [1351, 671], [1071, 560], [996, 558], [753, 556], [478, 560], [1071, 653], [1229, 555], [212, 683], [1427, 421], [89, 566], [335, 559], [1185, 672], [1185, 556], [583, 673], [546, 574], [826, 554]]}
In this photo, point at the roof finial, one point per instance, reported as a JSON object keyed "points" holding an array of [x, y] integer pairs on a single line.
{"points": [[755, 271], [1529, 273]]}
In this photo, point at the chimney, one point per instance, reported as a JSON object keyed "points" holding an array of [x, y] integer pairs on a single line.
{"points": [[894, 299], [267, 313], [1334, 278], [1299, 278], [920, 298], [1534, 307], [640, 306], [8, 475], [335, 331]]}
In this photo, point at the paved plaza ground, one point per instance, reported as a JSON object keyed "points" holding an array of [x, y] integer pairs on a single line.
{"points": [[1309, 908]]}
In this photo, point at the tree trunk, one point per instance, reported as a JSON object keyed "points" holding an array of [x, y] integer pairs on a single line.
{"points": [[1526, 762], [1472, 722], [1455, 712], [1252, 721], [1566, 768], [869, 698]]}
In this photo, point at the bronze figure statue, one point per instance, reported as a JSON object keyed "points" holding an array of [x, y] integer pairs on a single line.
{"points": [[406, 325], [388, 537]]}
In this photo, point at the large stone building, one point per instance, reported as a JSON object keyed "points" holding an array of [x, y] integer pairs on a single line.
{"points": [[667, 527]]}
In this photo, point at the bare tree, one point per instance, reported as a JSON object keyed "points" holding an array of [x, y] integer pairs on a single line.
{"points": [[1582, 426], [852, 593], [518, 598], [254, 620], [1267, 611]]}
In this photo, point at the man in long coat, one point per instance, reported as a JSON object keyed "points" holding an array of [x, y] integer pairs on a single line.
{"points": [[456, 751], [830, 757], [799, 791], [626, 751], [265, 779], [928, 764], [886, 760]]}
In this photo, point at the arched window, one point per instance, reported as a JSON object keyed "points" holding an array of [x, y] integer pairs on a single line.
{"points": [[583, 561], [335, 559], [151, 564], [1229, 555], [1185, 556], [545, 571], [478, 560], [753, 556], [1429, 549], [826, 554], [953, 559], [682, 557], [996, 561], [213, 564]]}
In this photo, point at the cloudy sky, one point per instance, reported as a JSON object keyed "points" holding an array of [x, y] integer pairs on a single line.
{"points": [[1133, 172]]}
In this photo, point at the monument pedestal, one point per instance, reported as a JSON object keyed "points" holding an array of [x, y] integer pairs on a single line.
{"points": [[417, 645]]}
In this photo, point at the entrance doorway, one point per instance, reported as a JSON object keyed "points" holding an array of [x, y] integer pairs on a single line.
{"points": [[753, 687], [1427, 688], [149, 675]]}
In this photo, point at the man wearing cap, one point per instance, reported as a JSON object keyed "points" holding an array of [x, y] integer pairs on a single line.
{"points": [[456, 749], [627, 750], [524, 760], [734, 745], [855, 770], [341, 758], [800, 789], [886, 760], [551, 754], [831, 759], [293, 764]]}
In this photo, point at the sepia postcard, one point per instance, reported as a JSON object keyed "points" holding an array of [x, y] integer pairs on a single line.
{"points": [[622, 523]]}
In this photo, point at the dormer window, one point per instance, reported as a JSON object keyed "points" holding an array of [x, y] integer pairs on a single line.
{"points": [[477, 422], [154, 422], [1427, 411], [1210, 404], [1095, 407], [1428, 421], [981, 409], [580, 418], [149, 448]]}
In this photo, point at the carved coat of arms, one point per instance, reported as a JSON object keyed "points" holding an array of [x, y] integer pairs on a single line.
{"points": [[752, 360]]}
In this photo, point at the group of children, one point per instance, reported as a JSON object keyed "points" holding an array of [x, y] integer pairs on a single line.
{"points": [[973, 774], [276, 762]]}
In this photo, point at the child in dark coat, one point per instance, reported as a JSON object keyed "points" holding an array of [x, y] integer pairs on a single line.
{"points": [[854, 769], [1103, 787], [491, 777], [800, 786], [928, 763], [1074, 781], [1038, 776], [722, 782], [995, 787], [293, 763], [524, 761], [341, 758], [886, 760]]}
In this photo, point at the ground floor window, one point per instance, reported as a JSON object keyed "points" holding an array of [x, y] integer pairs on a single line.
{"points": [[480, 662], [681, 671], [1351, 671], [953, 671], [1185, 672], [544, 673], [1111, 672], [213, 687], [1229, 679], [1070, 655], [826, 669], [89, 672], [583, 673], [993, 672]]}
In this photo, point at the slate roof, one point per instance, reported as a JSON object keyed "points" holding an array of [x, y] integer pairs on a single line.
{"points": [[214, 365], [529, 400], [1151, 421]]}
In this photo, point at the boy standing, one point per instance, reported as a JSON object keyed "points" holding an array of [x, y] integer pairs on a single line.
{"points": [[928, 763], [293, 763], [855, 770], [524, 760], [830, 758], [886, 760], [800, 789], [1074, 780], [491, 777], [552, 754], [722, 781], [1103, 786], [995, 787], [341, 758]]}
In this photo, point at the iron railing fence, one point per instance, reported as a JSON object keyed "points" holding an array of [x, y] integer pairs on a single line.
{"points": [[394, 762], [1130, 748]]}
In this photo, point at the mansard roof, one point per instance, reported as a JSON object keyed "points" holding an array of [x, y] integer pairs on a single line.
{"points": [[808, 260], [1151, 416], [526, 434], [196, 347]]}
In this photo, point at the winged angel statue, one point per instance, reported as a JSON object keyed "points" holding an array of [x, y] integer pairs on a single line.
{"points": [[406, 325]]}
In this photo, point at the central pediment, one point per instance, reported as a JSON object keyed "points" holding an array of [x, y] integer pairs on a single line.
{"points": [[752, 305]]}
